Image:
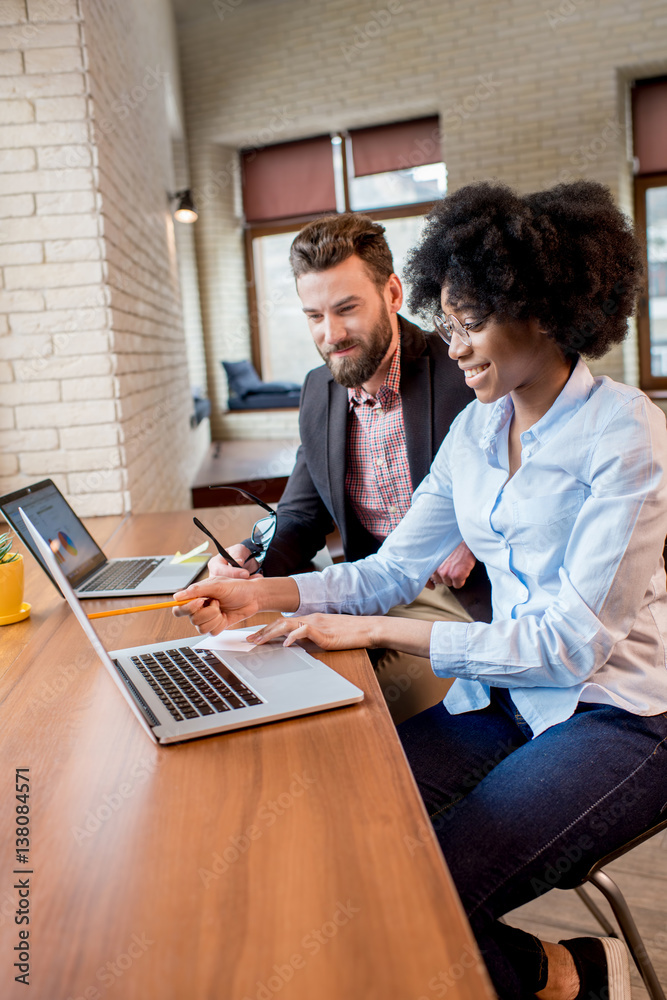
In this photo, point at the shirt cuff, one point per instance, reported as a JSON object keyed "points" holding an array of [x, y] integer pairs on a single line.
{"points": [[311, 594], [448, 649]]}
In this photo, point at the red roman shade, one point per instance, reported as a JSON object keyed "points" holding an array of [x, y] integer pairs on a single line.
{"points": [[381, 148], [649, 123], [287, 180]]}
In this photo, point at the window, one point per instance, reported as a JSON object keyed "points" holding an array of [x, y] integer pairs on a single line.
{"points": [[649, 113], [651, 194], [391, 172]]}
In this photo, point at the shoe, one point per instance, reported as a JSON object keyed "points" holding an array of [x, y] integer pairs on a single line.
{"points": [[603, 967]]}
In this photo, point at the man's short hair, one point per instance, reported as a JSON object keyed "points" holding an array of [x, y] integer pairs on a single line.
{"points": [[330, 240]]}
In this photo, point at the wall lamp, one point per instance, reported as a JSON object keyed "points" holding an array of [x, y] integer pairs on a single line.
{"points": [[185, 210]]}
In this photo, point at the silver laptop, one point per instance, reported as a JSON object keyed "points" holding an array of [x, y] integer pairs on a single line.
{"points": [[82, 561], [183, 689]]}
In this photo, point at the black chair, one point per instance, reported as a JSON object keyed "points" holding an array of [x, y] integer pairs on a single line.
{"points": [[248, 392], [601, 879]]}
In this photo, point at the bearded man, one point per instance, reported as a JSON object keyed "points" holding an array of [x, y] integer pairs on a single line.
{"points": [[371, 420]]}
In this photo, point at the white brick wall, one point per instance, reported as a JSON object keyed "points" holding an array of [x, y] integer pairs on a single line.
{"points": [[553, 106], [187, 263], [94, 384]]}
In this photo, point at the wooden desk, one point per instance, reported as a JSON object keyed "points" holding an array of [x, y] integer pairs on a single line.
{"points": [[293, 860]]}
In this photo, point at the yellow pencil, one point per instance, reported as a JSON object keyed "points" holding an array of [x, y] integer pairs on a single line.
{"points": [[138, 607]]}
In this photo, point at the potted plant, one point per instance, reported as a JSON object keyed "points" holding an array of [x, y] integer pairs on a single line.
{"points": [[6, 554], [12, 606]]}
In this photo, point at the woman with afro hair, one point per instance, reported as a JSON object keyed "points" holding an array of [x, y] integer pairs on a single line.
{"points": [[550, 749]]}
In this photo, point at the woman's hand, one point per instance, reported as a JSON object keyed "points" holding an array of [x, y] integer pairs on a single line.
{"points": [[217, 603], [328, 631], [456, 568]]}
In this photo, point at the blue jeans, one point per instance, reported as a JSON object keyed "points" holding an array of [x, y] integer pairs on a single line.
{"points": [[517, 816]]}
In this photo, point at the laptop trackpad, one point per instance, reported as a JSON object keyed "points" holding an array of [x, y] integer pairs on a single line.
{"points": [[270, 661], [175, 571], [165, 569]]}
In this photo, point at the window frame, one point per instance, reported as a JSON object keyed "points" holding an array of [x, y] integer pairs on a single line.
{"points": [[252, 231], [655, 386]]}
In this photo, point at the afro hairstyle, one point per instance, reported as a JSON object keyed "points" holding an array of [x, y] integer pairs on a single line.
{"points": [[567, 257]]}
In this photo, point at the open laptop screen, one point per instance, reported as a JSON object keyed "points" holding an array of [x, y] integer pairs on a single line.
{"points": [[75, 550]]}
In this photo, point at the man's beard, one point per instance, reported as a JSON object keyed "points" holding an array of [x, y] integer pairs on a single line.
{"points": [[353, 372]]}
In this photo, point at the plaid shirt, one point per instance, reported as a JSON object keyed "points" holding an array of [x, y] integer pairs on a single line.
{"points": [[377, 480]]}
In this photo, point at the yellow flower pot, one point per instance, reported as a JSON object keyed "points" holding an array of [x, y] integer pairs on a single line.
{"points": [[12, 606]]}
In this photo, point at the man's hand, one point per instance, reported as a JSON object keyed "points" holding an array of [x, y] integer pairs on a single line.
{"points": [[456, 568], [219, 567]]}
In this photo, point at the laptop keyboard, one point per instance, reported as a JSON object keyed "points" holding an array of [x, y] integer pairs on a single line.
{"points": [[123, 575], [192, 683]]}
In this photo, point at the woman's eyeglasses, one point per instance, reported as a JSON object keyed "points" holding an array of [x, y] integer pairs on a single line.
{"points": [[260, 537], [446, 326]]}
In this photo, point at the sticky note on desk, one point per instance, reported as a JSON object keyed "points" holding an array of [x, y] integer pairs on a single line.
{"points": [[191, 555]]}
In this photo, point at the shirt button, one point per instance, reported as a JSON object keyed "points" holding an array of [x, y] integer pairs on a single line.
{"points": [[379, 461], [392, 509]]}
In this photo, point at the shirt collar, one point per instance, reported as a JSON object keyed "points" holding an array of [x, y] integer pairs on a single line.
{"points": [[390, 388], [573, 395]]}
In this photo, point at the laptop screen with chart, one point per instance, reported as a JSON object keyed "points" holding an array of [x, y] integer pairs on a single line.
{"points": [[84, 564]]}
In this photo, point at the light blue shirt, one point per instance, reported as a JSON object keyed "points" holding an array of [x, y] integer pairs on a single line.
{"points": [[572, 544]]}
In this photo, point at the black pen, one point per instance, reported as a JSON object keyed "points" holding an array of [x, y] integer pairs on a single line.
{"points": [[223, 552]]}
